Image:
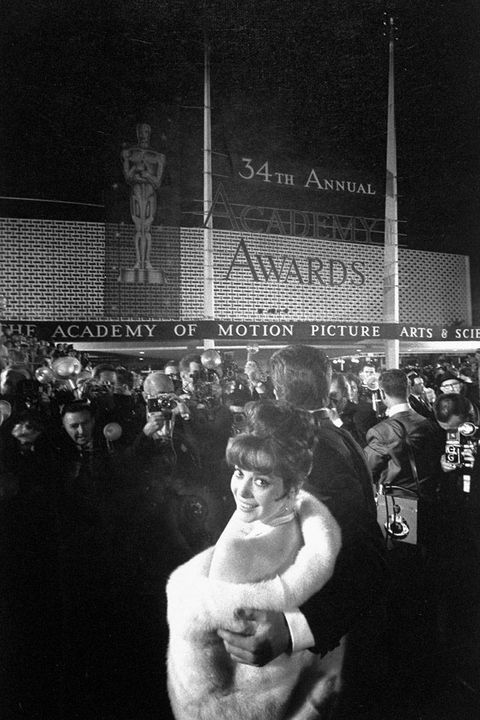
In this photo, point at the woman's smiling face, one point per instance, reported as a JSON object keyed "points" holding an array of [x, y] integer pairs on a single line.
{"points": [[258, 496]]}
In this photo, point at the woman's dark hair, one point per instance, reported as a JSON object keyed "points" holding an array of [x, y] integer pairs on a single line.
{"points": [[278, 441]]}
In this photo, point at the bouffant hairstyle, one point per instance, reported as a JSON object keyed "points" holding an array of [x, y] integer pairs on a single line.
{"points": [[301, 374], [278, 441]]}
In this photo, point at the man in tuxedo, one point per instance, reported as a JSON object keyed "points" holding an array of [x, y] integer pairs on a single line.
{"points": [[418, 397]]}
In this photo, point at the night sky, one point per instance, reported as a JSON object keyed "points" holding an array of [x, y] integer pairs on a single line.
{"points": [[304, 81]]}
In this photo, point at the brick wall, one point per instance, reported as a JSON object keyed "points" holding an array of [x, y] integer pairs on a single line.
{"points": [[434, 287], [69, 270], [143, 302], [52, 269]]}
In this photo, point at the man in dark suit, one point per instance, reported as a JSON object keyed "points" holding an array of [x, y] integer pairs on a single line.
{"points": [[418, 397], [387, 451], [370, 407], [119, 542], [459, 549], [29, 589], [402, 439]]}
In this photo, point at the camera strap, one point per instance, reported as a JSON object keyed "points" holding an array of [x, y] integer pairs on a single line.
{"points": [[400, 525]]}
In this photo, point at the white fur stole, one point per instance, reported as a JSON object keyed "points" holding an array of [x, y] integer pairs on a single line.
{"points": [[203, 681]]}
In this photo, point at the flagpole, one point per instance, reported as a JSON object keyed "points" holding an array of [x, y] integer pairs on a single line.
{"points": [[390, 276], [208, 275]]}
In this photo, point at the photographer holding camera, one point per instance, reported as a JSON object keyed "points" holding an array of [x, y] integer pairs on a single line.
{"points": [[388, 441], [206, 434], [459, 490], [370, 407], [456, 415], [459, 540]]}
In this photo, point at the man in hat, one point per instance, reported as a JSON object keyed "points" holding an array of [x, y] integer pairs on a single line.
{"points": [[450, 383]]}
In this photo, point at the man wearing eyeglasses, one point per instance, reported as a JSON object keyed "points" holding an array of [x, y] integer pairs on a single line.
{"points": [[452, 384]]}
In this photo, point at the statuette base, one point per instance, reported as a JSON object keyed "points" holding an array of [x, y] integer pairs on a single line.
{"points": [[141, 276]]}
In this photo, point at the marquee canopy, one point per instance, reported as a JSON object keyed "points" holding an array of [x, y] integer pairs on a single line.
{"points": [[340, 339]]}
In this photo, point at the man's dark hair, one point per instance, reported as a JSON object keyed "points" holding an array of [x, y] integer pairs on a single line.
{"points": [[301, 375], [352, 377], [450, 404], [15, 380], [77, 406], [124, 376], [368, 364], [184, 364], [394, 383], [341, 381], [102, 367], [412, 378], [338, 398], [32, 417]]}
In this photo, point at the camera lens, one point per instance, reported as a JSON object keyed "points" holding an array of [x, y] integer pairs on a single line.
{"points": [[168, 404]]}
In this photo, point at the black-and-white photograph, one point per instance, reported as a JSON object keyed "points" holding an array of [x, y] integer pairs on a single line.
{"points": [[240, 360]]}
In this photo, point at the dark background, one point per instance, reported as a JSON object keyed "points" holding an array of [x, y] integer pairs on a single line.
{"points": [[299, 82]]}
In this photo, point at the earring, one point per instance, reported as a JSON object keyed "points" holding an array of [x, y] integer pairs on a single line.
{"points": [[288, 507]]}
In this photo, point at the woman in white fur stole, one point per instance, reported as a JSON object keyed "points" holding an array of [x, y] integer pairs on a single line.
{"points": [[278, 549]]}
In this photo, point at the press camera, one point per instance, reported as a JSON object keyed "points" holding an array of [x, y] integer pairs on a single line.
{"points": [[166, 404], [162, 403], [461, 445]]}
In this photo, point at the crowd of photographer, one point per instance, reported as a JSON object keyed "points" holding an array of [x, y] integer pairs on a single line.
{"points": [[109, 480], [442, 410], [419, 428]]}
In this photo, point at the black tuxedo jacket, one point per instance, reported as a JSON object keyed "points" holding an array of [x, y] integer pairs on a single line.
{"points": [[421, 406], [341, 479]]}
